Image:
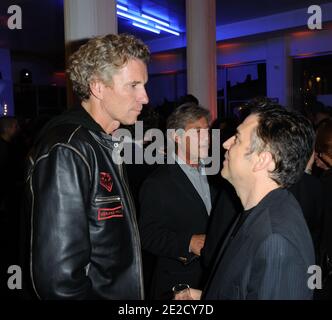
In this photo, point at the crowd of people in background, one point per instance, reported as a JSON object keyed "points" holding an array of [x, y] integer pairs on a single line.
{"points": [[64, 166], [312, 191]]}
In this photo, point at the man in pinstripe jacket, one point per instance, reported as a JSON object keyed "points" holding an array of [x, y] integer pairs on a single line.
{"points": [[269, 249]]}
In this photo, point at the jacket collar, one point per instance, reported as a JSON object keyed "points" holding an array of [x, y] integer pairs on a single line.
{"points": [[76, 116]]}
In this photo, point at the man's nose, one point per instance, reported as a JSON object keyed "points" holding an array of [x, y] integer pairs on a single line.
{"points": [[226, 145], [143, 97]]}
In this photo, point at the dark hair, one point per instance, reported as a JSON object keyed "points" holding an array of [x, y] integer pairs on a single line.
{"points": [[289, 137], [185, 114], [188, 98]]}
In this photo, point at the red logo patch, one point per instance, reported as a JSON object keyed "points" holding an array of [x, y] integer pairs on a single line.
{"points": [[106, 181], [109, 213]]}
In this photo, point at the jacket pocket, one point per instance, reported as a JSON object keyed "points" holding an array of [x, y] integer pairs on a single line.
{"points": [[109, 207], [106, 200]]}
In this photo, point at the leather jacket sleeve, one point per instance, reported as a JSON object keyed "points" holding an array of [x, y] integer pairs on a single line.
{"points": [[60, 244]]}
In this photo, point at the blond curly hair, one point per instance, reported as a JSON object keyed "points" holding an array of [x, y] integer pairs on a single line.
{"points": [[100, 58]]}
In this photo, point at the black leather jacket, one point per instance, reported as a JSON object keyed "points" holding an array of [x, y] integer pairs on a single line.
{"points": [[84, 237]]}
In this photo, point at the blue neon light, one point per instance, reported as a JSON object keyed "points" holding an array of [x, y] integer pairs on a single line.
{"points": [[155, 20], [146, 27], [168, 30], [129, 16], [121, 7]]}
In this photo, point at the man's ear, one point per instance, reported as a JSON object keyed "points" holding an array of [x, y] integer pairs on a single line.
{"points": [[264, 160], [97, 89]]}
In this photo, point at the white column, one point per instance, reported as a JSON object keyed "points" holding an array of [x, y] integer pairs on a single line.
{"points": [[85, 19], [278, 71], [201, 52]]}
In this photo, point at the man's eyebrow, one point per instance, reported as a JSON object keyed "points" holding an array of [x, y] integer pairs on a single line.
{"points": [[237, 134], [198, 127], [133, 83]]}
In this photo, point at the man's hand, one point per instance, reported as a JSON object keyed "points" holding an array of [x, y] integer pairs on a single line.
{"points": [[310, 163], [191, 294], [323, 161], [197, 243]]}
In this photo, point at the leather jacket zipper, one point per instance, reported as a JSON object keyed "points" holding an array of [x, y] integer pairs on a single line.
{"points": [[135, 226], [108, 199], [31, 237]]}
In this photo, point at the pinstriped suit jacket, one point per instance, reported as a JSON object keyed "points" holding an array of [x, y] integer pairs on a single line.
{"points": [[269, 256]]}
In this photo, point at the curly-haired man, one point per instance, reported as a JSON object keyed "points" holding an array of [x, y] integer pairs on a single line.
{"points": [[84, 242]]}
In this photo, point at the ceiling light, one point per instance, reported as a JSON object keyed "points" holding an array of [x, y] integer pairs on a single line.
{"points": [[146, 27], [168, 30], [121, 7], [129, 16], [155, 20]]}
